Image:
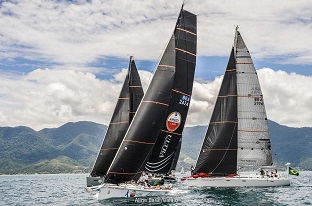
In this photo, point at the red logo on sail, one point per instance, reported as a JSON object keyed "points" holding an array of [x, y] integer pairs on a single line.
{"points": [[173, 121]]}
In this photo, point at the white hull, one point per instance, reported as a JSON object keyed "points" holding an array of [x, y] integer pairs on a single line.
{"points": [[93, 181], [107, 191], [236, 182]]}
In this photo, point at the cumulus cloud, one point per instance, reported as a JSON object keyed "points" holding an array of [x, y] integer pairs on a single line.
{"points": [[47, 98], [50, 98], [80, 32], [72, 35], [287, 98]]}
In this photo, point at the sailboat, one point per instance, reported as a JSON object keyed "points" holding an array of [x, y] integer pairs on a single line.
{"points": [[237, 136], [137, 144], [129, 99], [182, 170], [165, 153]]}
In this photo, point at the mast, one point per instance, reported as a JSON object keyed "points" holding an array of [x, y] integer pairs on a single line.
{"points": [[127, 104], [153, 111], [167, 145]]}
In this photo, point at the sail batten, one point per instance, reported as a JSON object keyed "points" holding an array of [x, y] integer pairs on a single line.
{"points": [[171, 132]]}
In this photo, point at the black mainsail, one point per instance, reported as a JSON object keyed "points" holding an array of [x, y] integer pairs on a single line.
{"points": [[129, 99], [167, 145], [237, 135], [168, 84]]}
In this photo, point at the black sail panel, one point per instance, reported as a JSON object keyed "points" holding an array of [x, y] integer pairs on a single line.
{"points": [[145, 127], [218, 154], [127, 104], [135, 89], [176, 156], [167, 145]]}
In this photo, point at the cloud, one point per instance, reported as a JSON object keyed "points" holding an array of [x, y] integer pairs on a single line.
{"points": [[50, 98], [82, 32], [71, 37], [287, 97], [47, 98]]}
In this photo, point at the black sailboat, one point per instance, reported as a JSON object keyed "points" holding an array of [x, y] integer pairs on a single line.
{"points": [[172, 82], [237, 136], [129, 99], [166, 150]]}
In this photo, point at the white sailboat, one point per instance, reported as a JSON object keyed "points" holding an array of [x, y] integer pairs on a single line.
{"points": [[182, 170], [122, 177], [237, 136]]}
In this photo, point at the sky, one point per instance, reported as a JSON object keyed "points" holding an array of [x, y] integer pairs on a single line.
{"points": [[65, 61]]}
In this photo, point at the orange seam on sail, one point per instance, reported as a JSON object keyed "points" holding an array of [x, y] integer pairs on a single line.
{"points": [[253, 130], [139, 142], [119, 122], [163, 65], [109, 149], [186, 31], [180, 92], [217, 149], [248, 96], [229, 95], [124, 98], [223, 122], [157, 103], [170, 132], [135, 86], [230, 70], [186, 51], [243, 62]]}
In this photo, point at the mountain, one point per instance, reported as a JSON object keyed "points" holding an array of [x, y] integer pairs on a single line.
{"points": [[70, 147], [292, 145], [73, 147]]}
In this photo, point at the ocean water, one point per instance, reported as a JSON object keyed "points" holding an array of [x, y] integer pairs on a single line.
{"points": [[68, 189]]}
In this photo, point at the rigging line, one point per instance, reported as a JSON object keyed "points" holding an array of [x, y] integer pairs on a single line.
{"points": [[227, 148]]}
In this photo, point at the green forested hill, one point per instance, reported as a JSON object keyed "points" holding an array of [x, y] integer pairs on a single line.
{"points": [[73, 147], [70, 147], [292, 144]]}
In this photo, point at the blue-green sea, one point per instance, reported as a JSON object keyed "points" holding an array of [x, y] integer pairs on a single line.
{"points": [[68, 189]]}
